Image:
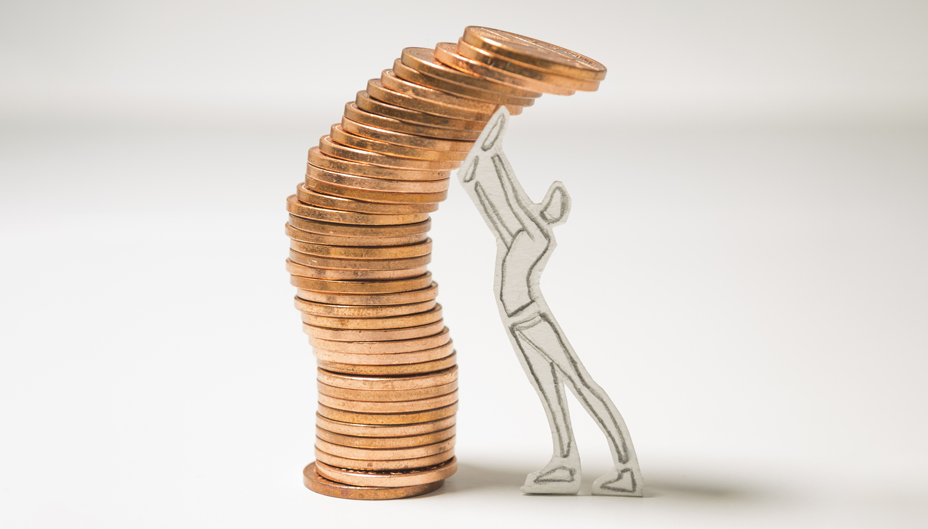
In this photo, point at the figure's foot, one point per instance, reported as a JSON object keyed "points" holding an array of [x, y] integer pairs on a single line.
{"points": [[560, 476], [619, 482]]}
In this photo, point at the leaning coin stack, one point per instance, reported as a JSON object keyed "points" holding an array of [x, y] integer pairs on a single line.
{"points": [[387, 377]]}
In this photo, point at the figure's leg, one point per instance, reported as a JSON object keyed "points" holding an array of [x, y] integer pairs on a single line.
{"points": [[562, 473], [545, 335]]}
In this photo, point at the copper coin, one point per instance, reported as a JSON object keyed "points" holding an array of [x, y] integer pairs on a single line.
{"points": [[343, 166], [397, 298], [387, 418], [386, 396], [378, 430], [353, 275], [362, 287], [342, 230], [344, 311], [389, 370], [414, 76], [378, 91], [368, 383], [393, 322], [364, 252], [396, 479], [316, 261], [381, 359], [402, 138], [338, 240], [297, 208], [320, 485], [373, 335], [423, 60], [385, 454], [390, 81], [339, 135], [377, 184], [354, 113], [386, 467], [536, 53], [369, 104], [339, 150], [440, 338], [522, 70], [385, 442], [446, 52], [315, 198], [409, 406], [374, 196]]}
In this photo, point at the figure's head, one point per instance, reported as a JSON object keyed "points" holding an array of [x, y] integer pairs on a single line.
{"points": [[555, 207]]}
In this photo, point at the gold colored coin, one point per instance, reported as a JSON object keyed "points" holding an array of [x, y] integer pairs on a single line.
{"points": [[315, 261], [501, 63], [378, 91], [339, 135], [368, 103], [337, 240], [385, 454], [371, 335], [536, 53], [353, 275], [412, 75], [390, 81], [398, 298], [397, 346], [378, 184], [423, 60], [295, 207], [364, 252], [374, 196], [401, 138], [314, 198], [385, 396], [382, 466], [320, 485], [339, 165], [396, 479], [362, 287], [393, 322], [393, 383], [357, 115], [384, 431], [446, 52], [388, 369], [342, 230], [346, 311], [385, 442], [339, 150], [387, 418], [409, 406], [386, 359]]}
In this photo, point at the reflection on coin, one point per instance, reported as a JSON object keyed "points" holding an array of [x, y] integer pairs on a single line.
{"points": [[393, 383], [318, 484], [389, 370], [385, 454], [447, 53], [362, 287], [385, 442], [373, 335], [381, 359], [346, 311], [390, 322], [353, 275], [387, 418], [408, 406], [388, 466], [315, 198], [397, 479], [507, 65], [375, 430], [392, 395]]}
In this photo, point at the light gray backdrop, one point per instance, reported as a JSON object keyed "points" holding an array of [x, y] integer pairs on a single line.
{"points": [[743, 269]]}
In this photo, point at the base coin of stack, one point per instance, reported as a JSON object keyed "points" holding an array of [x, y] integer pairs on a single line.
{"points": [[359, 251]]}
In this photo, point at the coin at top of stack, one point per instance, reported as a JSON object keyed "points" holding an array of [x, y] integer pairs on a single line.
{"points": [[387, 379]]}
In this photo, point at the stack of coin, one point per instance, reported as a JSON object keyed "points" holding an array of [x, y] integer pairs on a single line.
{"points": [[359, 252]]}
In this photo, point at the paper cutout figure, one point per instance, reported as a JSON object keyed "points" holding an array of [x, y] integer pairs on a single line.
{"points": [[525, 241]]}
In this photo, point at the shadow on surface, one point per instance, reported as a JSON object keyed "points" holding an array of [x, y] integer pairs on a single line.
{"points": [[707, 491], [484, 477]]}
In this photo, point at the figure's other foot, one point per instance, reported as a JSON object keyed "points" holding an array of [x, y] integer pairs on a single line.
{"points": [[560, 476], [619, 482]]}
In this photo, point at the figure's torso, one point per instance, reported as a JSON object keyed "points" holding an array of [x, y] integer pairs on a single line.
{"points": [[523, 259]]}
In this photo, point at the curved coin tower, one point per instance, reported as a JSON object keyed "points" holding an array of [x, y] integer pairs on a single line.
{"points": [[359, 252]]}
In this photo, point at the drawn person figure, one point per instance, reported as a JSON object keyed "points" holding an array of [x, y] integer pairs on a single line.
{"points": [[525, 241]]}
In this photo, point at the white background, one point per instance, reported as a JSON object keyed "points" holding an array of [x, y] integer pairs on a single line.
{"points": [[743, 270]]}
